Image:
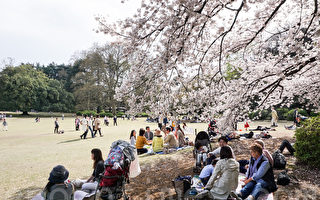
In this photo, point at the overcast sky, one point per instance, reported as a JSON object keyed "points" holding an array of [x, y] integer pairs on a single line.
{"points": [[45, 31]]}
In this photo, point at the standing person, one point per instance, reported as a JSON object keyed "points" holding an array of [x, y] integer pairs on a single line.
{"points": [[77, 123], [62, 116], [274, 115], [160, 120], [90, 126], [84, 124], [56, 126], [295, 117], [148, 134], [97, 126], [224, 178], [259, 175], [246, 124], [5, 125], [94, 125], [133, 138], [115, 121], [105, 120]]}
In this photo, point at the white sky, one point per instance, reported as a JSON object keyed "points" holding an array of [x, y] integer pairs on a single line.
{"points": [[45, 31]]}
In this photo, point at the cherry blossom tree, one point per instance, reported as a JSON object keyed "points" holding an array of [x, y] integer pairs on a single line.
{"points": [[182, 51]]}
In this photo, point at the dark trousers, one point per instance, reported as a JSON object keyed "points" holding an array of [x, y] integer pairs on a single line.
{"points": [[91, 131], [95, 132], [286, 144], [160, 125], [56, 129], [84, 135], [242, 165], [142, 151], [115, 123], [205, 180]]}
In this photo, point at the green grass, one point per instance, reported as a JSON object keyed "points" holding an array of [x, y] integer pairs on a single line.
{"points": [[30, 150]]}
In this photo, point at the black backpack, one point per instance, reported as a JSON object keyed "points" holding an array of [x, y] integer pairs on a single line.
{"points": [[279, 160], [283, 178]]}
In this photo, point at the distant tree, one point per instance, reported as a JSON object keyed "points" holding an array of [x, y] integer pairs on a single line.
{"points": [[101, 71], [25, 88], [63, 73]]}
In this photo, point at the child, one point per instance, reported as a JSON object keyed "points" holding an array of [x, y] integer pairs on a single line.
{"points": [[5, 125], [207, 171], [246, 124]]}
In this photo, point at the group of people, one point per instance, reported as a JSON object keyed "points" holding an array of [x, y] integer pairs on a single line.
{"points": [[92, 124], [59, 187], [220, 175], [171, 139]]}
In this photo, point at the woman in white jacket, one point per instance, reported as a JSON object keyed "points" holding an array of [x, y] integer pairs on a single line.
{"points": [[225, 175]]}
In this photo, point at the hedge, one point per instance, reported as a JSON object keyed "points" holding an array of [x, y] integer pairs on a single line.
{"points": [[307, 143]]}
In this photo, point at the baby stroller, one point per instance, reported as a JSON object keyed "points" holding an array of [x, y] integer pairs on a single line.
{"points": [[201, 150], [116, 175]]}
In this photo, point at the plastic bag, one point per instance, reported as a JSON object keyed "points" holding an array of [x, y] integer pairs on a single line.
{"points": [[135, 166]]}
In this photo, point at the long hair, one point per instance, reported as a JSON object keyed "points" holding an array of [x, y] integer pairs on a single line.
{"points": [[97, 156], [132, 134]]}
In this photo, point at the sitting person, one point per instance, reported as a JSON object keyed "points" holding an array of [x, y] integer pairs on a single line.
{"points": [[224, 178], [157, 143], [98, 168], [259, 175], [58, 187], [180, 136], [207, 171], [141, 141], [148, 134], [286, 144], [244, 163], [133, 138], [169, 139], [223, 141]]}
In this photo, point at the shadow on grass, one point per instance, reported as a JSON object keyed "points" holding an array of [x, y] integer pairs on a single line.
{"points": [[68, 141], [74, 140], [26, 193]]}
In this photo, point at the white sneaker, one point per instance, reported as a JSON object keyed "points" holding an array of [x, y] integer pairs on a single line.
{"points": [[202, 194], [250, 197]]}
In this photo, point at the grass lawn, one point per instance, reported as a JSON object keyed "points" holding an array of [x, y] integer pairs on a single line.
{"points": [[30, 150]]}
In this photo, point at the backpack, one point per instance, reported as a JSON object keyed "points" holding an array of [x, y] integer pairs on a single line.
{"points": [[279, 160], [60, 192], [181, 184], [283, 178]]}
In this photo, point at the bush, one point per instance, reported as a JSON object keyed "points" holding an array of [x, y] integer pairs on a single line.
{"points": [[307, 144], [260, 114], [282, 112]]}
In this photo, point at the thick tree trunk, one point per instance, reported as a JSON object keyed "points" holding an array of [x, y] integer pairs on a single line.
{"points": [[25, 113]]}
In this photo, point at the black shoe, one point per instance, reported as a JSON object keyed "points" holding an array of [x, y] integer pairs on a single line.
{"points": [[80, 136]]}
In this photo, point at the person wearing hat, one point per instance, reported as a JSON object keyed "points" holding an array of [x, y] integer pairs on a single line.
{"points": [[157, 143], [57, 188]]}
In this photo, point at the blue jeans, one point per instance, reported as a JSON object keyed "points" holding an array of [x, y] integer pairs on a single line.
{"points": [[254, 188]]}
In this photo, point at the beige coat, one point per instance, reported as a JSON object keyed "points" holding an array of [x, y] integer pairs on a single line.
{"points": [[171, 140], [224, 178]]}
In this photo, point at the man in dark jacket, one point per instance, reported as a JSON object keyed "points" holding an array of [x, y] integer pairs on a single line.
{"points": [[259, 175]]}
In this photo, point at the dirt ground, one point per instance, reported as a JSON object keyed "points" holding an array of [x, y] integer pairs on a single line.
{"points": [[155, 181]]}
